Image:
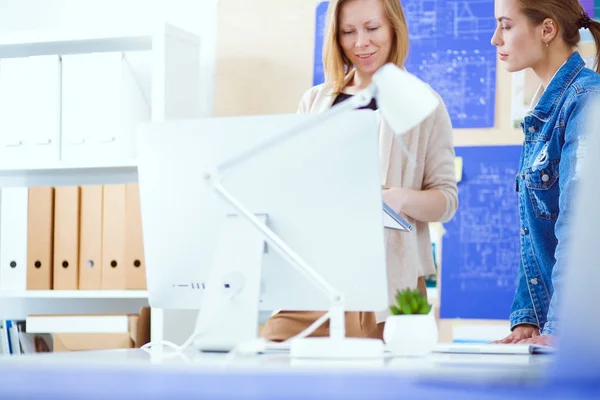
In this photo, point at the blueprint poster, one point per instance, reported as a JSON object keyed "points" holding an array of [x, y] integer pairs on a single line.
{"points": [[450, 49], [318, 76], [480, 249]]}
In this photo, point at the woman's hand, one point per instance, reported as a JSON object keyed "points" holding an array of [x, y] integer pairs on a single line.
{"points": [[396, 198], [521, 332], [420, 205], [541, 340]]}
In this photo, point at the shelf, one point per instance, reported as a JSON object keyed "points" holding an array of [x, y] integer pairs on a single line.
{"points": [[20, 304], [35, 43], [76, 294], [176, 72], [67, 174], [49, 44], [54, 166]]}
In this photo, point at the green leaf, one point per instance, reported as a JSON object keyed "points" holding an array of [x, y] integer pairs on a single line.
{"points": [[414, 304], [410, 301], [406, 309], [425, 309], [399, 299]]}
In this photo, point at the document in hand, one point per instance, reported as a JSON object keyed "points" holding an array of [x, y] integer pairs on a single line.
{"points": [[393, 220]]}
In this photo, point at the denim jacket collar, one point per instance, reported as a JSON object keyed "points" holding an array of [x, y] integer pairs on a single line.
{"points": [[563, 78]]}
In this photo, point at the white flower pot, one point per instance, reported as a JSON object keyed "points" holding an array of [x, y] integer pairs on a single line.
{"points": [[411, 335]]}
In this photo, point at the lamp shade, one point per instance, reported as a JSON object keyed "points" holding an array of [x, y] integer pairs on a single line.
{"points": [[403, 99]]}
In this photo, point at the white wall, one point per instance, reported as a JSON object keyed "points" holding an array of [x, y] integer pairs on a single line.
{"points": [[99, 14], [108, 16]]}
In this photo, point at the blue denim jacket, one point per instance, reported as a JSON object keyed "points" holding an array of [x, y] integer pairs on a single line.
{"points": [[550, 160]]}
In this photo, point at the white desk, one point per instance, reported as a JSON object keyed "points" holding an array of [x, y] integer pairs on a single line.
{"points": [[120, 373], [453, 366], [434, 363]]}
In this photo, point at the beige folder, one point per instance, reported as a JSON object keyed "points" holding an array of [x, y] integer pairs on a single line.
{"points": [[113, 237], [66, 237], [40, 219], [90, 238], [135, 267]]}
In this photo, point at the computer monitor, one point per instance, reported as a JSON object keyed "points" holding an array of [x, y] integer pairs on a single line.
{"points": [[319, 192]]}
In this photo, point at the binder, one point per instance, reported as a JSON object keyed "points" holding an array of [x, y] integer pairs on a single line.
{"points": [[113, 237], [66, 238], [102, 104], [43, 100], [135, 266], [13, 239], [90, 238], [40, 234], [29, 86]]}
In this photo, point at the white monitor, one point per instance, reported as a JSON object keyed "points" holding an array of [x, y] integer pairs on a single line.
{"points": [[320, 192]]}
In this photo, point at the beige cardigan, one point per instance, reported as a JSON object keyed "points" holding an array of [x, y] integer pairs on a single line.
{"points": [[409, 255]]}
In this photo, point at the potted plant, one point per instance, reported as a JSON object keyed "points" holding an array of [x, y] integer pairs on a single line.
{"points": [[411, 330]]}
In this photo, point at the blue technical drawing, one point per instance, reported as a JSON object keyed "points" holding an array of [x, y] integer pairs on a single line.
{"points": [[450, 49], [318, 74], [480, 249]]}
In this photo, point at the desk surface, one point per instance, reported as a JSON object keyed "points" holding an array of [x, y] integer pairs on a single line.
{"points": [[468, 366], [135, 372]]}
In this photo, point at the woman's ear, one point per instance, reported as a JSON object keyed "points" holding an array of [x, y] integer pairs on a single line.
{"points": [[549, 31]]}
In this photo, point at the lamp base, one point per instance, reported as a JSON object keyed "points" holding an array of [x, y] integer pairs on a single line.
{"points": [[337, 348]]}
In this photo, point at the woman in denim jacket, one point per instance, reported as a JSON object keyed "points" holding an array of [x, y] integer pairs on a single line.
{"points": [[542, 35]]}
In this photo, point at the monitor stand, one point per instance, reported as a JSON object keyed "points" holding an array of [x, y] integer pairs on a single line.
{"points": [[229, 314]]}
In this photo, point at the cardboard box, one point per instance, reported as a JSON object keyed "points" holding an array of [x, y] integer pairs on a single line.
{"points": [[139, 334], [140, 331], [91, 341]]}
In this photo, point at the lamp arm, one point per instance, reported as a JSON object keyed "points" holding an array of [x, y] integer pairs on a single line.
{"points": [[278, 244], [360, 99]]}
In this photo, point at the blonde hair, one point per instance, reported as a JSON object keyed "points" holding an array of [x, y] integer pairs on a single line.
{"points": [[336, 65]]}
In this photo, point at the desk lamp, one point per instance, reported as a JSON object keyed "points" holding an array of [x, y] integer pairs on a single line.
{"points": [[404, 101]]}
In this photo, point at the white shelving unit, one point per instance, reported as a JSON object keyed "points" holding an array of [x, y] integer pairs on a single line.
{"points": [[17, 305], [175, 83], [75, 294], [64, 174]]}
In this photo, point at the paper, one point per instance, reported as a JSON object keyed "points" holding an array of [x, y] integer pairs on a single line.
{"points": [[458, 168]]}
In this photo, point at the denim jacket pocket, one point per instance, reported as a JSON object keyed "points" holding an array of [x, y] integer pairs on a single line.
{"points": [[543, 190]]}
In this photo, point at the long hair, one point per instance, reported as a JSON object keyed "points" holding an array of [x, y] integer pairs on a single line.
{"points": [[336, 65], [569, 16]]}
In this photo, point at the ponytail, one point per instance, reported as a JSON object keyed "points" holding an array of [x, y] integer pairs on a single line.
{"points": [[594, 28]]}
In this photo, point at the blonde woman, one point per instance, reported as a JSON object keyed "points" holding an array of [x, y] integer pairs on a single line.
{"points": [[361, 36]]}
